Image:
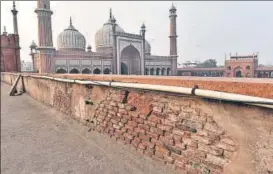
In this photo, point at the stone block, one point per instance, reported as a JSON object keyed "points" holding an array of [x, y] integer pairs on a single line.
{"points": [[190, 142], [168, 122], [152, 135], [228, 141], [173, 117], [158, 109], [205, 140], [149, 145], [164, 127], [216, 160], [132, 123], [178, 132], [154, 119], [150, 123], [156, 130], [144, 127], [173, 149], [225, 146], [210, 149], [212, 127], [144, 137], [193, 124]]}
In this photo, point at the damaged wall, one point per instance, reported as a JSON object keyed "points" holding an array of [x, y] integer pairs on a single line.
{"points": [[192, 134]]}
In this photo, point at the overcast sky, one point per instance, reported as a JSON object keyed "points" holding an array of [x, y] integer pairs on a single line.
{"points": [[205, 29]]}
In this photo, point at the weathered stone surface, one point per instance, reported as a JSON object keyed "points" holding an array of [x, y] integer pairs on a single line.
{"points": [[154, 119], [164, 127], [216, 160], [162, 150], [156, 130], [204, 140], [228, 141], [225, 147], [173, 149], [210, 149], [213, 128]]}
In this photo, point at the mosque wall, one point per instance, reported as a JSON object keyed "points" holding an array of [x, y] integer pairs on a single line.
{"points": [[192, 134]]}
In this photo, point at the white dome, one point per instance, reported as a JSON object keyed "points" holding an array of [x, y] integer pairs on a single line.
{"points": [[147, 47], [71, 38], [104, 36]]}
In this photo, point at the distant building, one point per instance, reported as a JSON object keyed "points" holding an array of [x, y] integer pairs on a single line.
{"points": [[117, 51], [26, 66], [235, 66], [10, 49]]}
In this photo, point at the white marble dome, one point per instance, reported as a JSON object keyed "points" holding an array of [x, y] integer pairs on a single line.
{"points": [[71, 38], [147, 47], [104, 36]]}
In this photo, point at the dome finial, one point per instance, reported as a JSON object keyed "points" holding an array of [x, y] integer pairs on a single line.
{"points": [[70, 21], [110, 13], [14, 5]]}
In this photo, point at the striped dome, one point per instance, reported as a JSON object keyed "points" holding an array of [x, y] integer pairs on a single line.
{"points": [[104, 36], [71, 38], [147, 47]]}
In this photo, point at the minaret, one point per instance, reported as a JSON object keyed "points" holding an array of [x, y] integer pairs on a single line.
{"points": [[173, 36], [173, 41], [115, 68], [143, 31], [15, 24], [44, 23], [45, 46]]}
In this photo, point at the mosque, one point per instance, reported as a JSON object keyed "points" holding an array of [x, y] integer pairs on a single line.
{"points": [[117, 51]]}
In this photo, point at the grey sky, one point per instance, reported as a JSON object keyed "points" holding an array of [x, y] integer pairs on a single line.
{"points": [[205, 29]]}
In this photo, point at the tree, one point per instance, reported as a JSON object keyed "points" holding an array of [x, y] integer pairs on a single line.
{"points": [[210, 63]]}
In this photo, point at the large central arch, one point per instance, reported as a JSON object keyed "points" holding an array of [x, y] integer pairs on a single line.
{"points": [[132, 56]]}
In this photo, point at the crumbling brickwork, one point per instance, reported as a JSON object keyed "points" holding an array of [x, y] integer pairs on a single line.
{"points": [[191, 134], [180, 134]]}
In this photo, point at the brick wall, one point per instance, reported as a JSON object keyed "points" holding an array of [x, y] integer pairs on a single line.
{"points": [[189, 133]]}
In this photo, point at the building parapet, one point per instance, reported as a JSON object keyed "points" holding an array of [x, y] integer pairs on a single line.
{"points": [[135, 36]]}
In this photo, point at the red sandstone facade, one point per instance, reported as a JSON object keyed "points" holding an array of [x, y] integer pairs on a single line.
{"points": [[10, 53], [235, 66], [10, 49]]}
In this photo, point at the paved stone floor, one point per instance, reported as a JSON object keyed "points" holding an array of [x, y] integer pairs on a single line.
{"points": [[36, 139]]}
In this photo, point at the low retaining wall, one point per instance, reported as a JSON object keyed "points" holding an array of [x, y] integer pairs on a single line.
{"points": [[192, 134]]}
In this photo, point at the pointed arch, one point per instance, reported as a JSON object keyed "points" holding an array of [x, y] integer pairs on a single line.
{"points": [[61, 71], [74, 71], [86, 71], [106, 71], [97, 71]]}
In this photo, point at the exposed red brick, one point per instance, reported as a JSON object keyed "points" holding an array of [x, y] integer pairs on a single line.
{"points": [[150, 123], [156, 130], [154, 119], [152, 135], [144, 127], [144, 137]]}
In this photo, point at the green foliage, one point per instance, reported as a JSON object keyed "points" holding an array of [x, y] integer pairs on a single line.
{"points": [[210, 63]]}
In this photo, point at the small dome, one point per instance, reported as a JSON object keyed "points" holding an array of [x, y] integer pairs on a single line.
{"points": [[33, 45], [147, 47], [104, 36], [71, 38]]}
